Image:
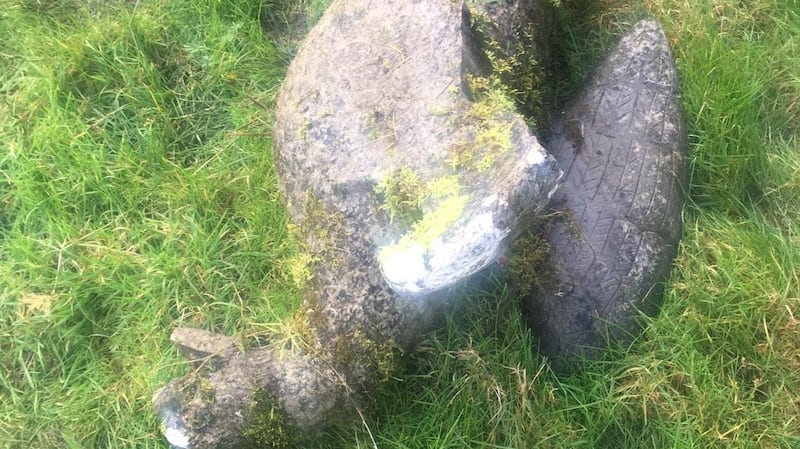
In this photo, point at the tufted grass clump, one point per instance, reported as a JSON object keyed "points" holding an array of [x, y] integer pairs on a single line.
{"points": [[137, 193]]}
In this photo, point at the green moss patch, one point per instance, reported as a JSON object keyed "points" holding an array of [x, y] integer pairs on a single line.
{"points": [[437, 205], [267, 428], [516, 68], [404, 192]]}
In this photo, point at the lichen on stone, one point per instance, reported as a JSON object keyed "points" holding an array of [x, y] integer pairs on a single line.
{"points": [[445, 208]]}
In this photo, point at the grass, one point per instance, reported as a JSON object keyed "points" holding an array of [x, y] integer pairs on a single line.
{"points": [[137, 193]]}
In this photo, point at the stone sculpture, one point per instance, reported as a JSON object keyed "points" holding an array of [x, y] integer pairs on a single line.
{"points": [[407, 172]]}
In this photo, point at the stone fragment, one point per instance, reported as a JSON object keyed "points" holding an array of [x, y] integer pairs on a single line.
{"points": [[396, 97], [623, 147]]}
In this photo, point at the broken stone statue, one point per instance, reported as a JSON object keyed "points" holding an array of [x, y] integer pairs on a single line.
{"points": [[406, 170]]}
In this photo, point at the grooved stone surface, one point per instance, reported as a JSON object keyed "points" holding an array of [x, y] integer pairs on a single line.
{"points": [[622, 145]]}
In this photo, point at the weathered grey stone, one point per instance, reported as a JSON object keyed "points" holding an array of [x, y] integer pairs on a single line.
{"points": [[380, 93], [622, 145], [406, 175], [520, 49], [394, 97]]}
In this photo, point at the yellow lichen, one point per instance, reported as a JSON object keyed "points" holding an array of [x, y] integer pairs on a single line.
{"points": [[432, 226], [300, 268], [434, 223], [427, 208]]}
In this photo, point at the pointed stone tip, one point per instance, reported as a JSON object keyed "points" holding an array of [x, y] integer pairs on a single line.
{"points": [[648, 23], [646, 31], [642, 54]]}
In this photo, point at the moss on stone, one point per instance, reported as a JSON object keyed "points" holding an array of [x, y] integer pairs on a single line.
{"points": [[375, 359], [444, 186], [300, 268], [200, 390], [528, 262], [517, 69], [266, 425], [489, 117], [495, 140], [491, 99], [403, 193], [294, 334], [316, 235]]}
